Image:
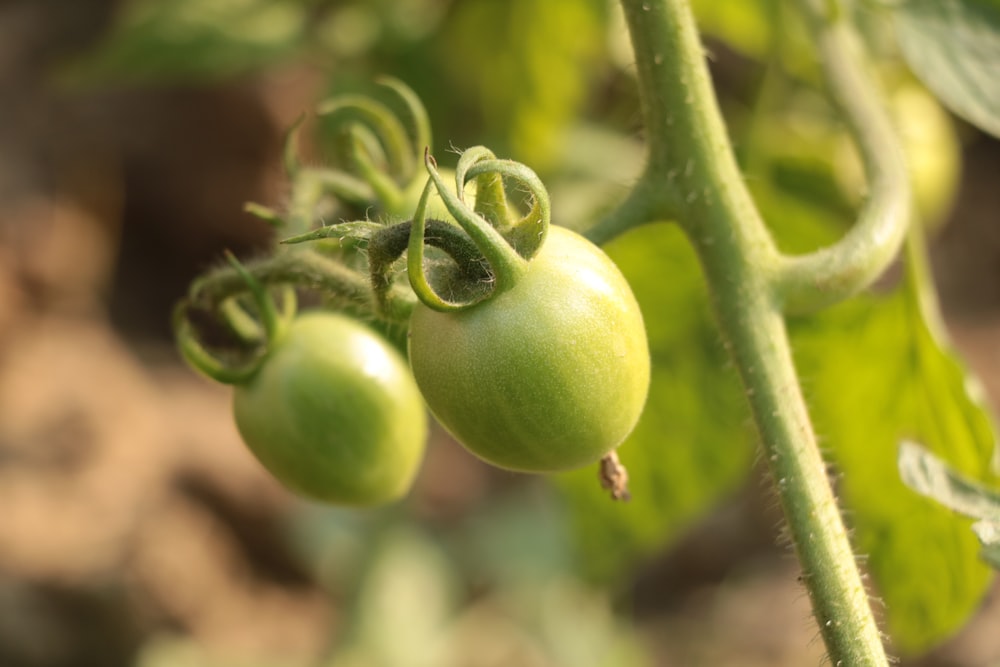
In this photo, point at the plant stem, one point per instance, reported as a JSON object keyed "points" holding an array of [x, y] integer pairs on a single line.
{"points": [[692, 158], [301, 268], [831, 274]]}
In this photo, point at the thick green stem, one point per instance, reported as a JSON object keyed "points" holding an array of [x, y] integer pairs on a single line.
{"points": [[702, 189]]}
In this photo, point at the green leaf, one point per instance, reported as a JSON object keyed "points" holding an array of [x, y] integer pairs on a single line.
{"points": [[762, 30], [954, 47], [930, 476], [528, 66], [404, 604], [874, 374], [193, 40], [692, 445], [988, 533]]}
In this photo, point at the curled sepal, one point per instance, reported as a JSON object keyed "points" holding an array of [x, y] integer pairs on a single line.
{"points": [[350, 111], [265, 213], [290, 153], [415, 261], [241, 323], [270, 318], [506, 264], [249, 330], [343, 186], [245, 326], [525, 233], [414, 108], [361, 152], [347, 233], [202, 360], [465, 271], [491, 199]]}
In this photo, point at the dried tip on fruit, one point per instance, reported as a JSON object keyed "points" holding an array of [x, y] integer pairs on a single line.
{"points": [[614, 477]]}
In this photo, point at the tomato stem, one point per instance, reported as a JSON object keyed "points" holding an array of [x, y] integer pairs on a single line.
{"points": [[692, 177], [305, 268]]}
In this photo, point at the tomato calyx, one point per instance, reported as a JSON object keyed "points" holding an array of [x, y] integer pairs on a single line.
{"points": [[506, 240], [253, 335], [377, 146]]}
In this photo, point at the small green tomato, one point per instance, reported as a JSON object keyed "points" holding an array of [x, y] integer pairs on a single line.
{"points": [[333, 413], [548, 375]]}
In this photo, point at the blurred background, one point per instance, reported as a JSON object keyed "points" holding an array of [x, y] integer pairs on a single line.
{"points": [[135, 529]]}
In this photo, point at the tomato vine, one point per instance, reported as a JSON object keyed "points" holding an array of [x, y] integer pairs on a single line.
{"points": [[485, 281]]}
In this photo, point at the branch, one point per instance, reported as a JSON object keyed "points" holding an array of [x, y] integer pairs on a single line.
{"points": [[810, 282], [692, 160]]}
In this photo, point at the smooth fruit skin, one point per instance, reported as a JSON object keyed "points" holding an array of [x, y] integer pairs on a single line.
{"points": [[548, 375], [334, 413]]}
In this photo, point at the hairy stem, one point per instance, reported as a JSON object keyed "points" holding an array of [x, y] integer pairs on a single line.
{"points": [[701, 187], [302, 268]]}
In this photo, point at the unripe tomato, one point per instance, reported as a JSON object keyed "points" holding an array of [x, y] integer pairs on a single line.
{"points": [[333, 413], [548, 375]]}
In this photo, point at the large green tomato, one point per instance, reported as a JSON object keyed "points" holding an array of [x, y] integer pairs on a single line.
{"points": [[334, 413], [549, 375]]}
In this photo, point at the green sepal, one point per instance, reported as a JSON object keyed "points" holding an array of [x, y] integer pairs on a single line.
{"points": [[352, 110], [506, 264], [272, 322]]}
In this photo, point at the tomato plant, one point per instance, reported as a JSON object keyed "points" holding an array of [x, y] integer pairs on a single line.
{"points": [[528, 346]]}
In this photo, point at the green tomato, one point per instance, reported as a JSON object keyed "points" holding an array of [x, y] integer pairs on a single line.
{"points": [[550, 374], [333, 413]]}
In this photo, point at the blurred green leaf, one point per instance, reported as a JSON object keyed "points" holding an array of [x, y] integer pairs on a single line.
{"points": [[874, 373], [528, 609], [405, 601], [954, 47], [574, 626], [745, 26], [494, 540], [529, 64], [692, 445], [988, 533], [186, 40], [761, 30]]}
